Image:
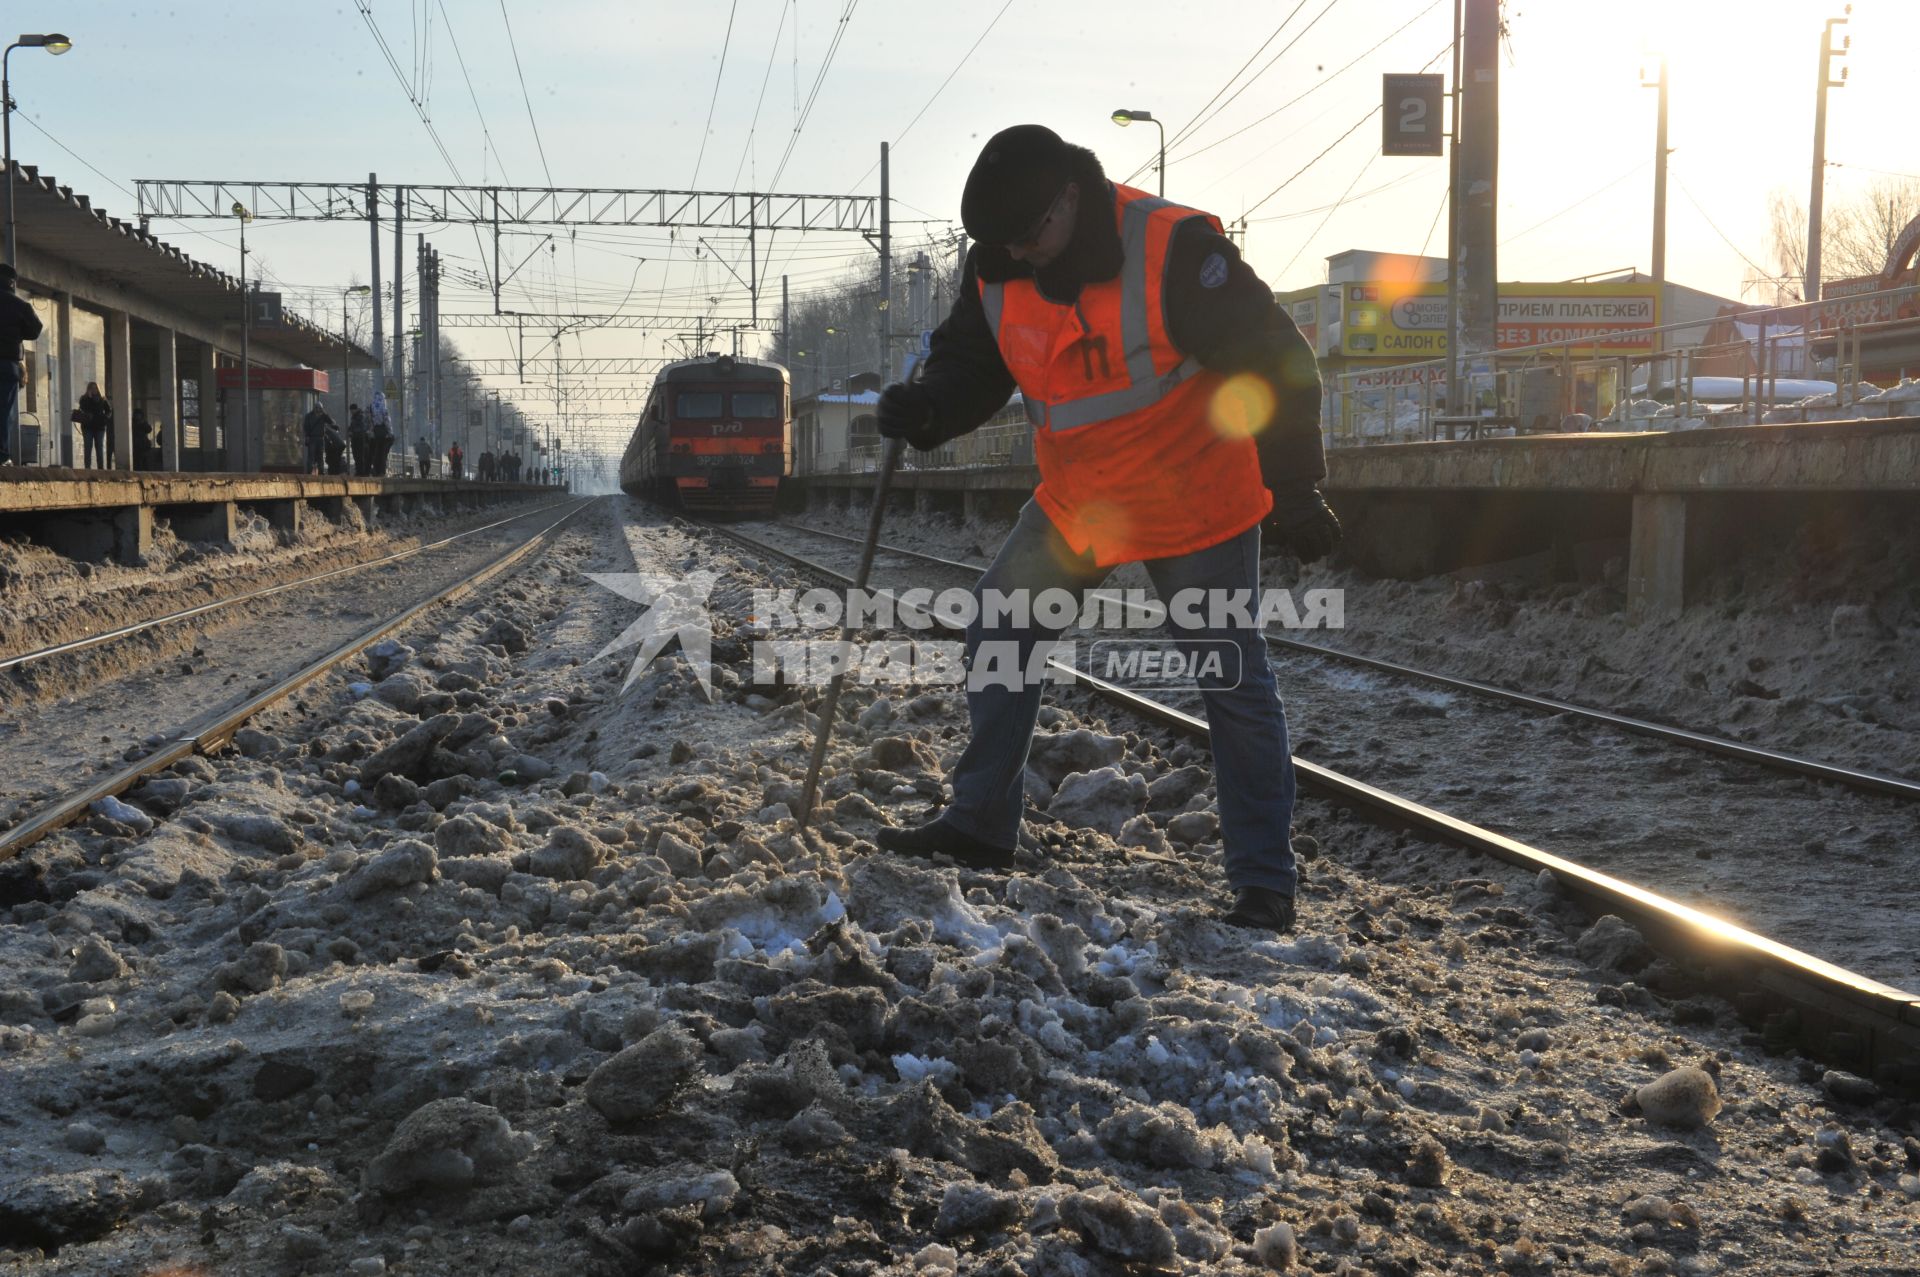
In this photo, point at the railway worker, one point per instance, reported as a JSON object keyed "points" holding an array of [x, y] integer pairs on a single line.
{"points": [[18, 322], [1176, 416]]}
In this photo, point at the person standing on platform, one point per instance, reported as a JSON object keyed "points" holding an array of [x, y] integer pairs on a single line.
{"points": [[360, 440], [335, 445], [382, 431], [95, 416], [145, 454], [424, 451], [1176, 415], [18, 322], [313, 429]]}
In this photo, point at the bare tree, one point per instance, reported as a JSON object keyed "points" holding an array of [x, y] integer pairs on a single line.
{"points": [[1856, 236]]}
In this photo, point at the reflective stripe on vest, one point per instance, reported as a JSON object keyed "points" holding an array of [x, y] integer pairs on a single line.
{"points": [[1145, 388]]}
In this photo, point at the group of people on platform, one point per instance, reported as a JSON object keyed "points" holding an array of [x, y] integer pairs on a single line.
{"points": [[491, 467], [362, 450]]}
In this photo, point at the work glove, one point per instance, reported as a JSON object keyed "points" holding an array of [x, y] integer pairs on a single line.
{"points": [[1302, 522], [906, 412]]}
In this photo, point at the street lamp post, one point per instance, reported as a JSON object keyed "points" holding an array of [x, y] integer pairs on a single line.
{"points": [[55, 44], [246, 340], [1124, 117]]}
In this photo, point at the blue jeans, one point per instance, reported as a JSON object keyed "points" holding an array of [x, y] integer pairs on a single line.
{"points": [[1253, 766]]}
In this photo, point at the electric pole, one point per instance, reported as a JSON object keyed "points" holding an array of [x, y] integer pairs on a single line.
{"points": [[401, 400], [1472, 268], [886, 272], [373, 230], [1660, 198], [1816, 201]]}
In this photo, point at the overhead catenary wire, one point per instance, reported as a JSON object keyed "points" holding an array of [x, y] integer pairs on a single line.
{"points": [[813, 94], [935, 96], [1330, 212], [1446, 193], [365, 8], [1315, 87], [1295, 176], [1199, 124], [1590, 195], [461, 61], [1186, 128], [718, 74], [753, 126], [1701, 209]]}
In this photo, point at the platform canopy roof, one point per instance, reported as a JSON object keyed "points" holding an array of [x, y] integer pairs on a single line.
{"points": [[57, 222]]}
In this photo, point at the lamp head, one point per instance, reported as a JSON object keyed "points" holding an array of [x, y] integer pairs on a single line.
{"points": [[52, 42], [360, 290], [1124, 117], [240, 211]]}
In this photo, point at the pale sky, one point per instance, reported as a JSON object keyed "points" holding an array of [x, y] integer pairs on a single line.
{"points": [[295, 91]]}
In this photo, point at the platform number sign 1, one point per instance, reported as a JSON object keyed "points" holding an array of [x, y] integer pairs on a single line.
{"points": [[1413, 122], [266, 309]]}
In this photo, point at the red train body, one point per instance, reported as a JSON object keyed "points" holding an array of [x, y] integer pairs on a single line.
{"points": [[716, 437]]}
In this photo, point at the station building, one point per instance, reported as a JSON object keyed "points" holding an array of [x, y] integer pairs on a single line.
{"points": [[159, 331]]}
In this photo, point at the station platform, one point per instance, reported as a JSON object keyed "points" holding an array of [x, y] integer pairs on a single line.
{"points": [[108, 515], [1672, 504]]}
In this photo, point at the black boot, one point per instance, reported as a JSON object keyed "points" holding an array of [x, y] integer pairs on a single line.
{"points": [[937, 838], [1261, 909]]}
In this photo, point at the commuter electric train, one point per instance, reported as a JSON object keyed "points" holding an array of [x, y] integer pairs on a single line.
{"points": [[715, 438]]}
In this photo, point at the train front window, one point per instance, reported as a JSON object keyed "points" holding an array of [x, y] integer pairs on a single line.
{"points": [[755, 404], [697, 403]]}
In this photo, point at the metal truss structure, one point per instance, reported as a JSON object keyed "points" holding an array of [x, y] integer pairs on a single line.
{"points": [[508, 205], [581, 394], [638, 366], [653, 323]]}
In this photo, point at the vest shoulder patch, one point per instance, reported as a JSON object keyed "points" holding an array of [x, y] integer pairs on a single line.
{"points": [[1213, 271]]}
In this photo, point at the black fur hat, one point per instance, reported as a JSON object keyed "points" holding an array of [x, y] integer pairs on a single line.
{"points": [[1019, 174]]}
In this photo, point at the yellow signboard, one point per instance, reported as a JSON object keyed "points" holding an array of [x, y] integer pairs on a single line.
{"points": [[1408, 321]]}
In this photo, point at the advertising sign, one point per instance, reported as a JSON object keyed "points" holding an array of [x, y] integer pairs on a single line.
{"points": [[1409, 321]]}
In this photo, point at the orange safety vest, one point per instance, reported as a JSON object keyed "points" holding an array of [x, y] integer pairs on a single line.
{"points": [[1131, 466]]}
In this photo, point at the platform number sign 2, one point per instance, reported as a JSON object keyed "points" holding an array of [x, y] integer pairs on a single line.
{"points": [[1413, 121]]}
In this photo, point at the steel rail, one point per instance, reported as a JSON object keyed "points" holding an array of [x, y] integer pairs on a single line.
{"points": [[126, 631], [1844, 1016], [214, 734], [1832, 773]]}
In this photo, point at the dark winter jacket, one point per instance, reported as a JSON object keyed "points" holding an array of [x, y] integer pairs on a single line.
{"points": [[95, 413], [314, 424], [18, 323], [1230, 327]]}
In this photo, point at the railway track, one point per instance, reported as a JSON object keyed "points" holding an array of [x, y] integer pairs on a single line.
{"points": [[1829, 773], [123, 632], [1842, 1016], [217, 729]]}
